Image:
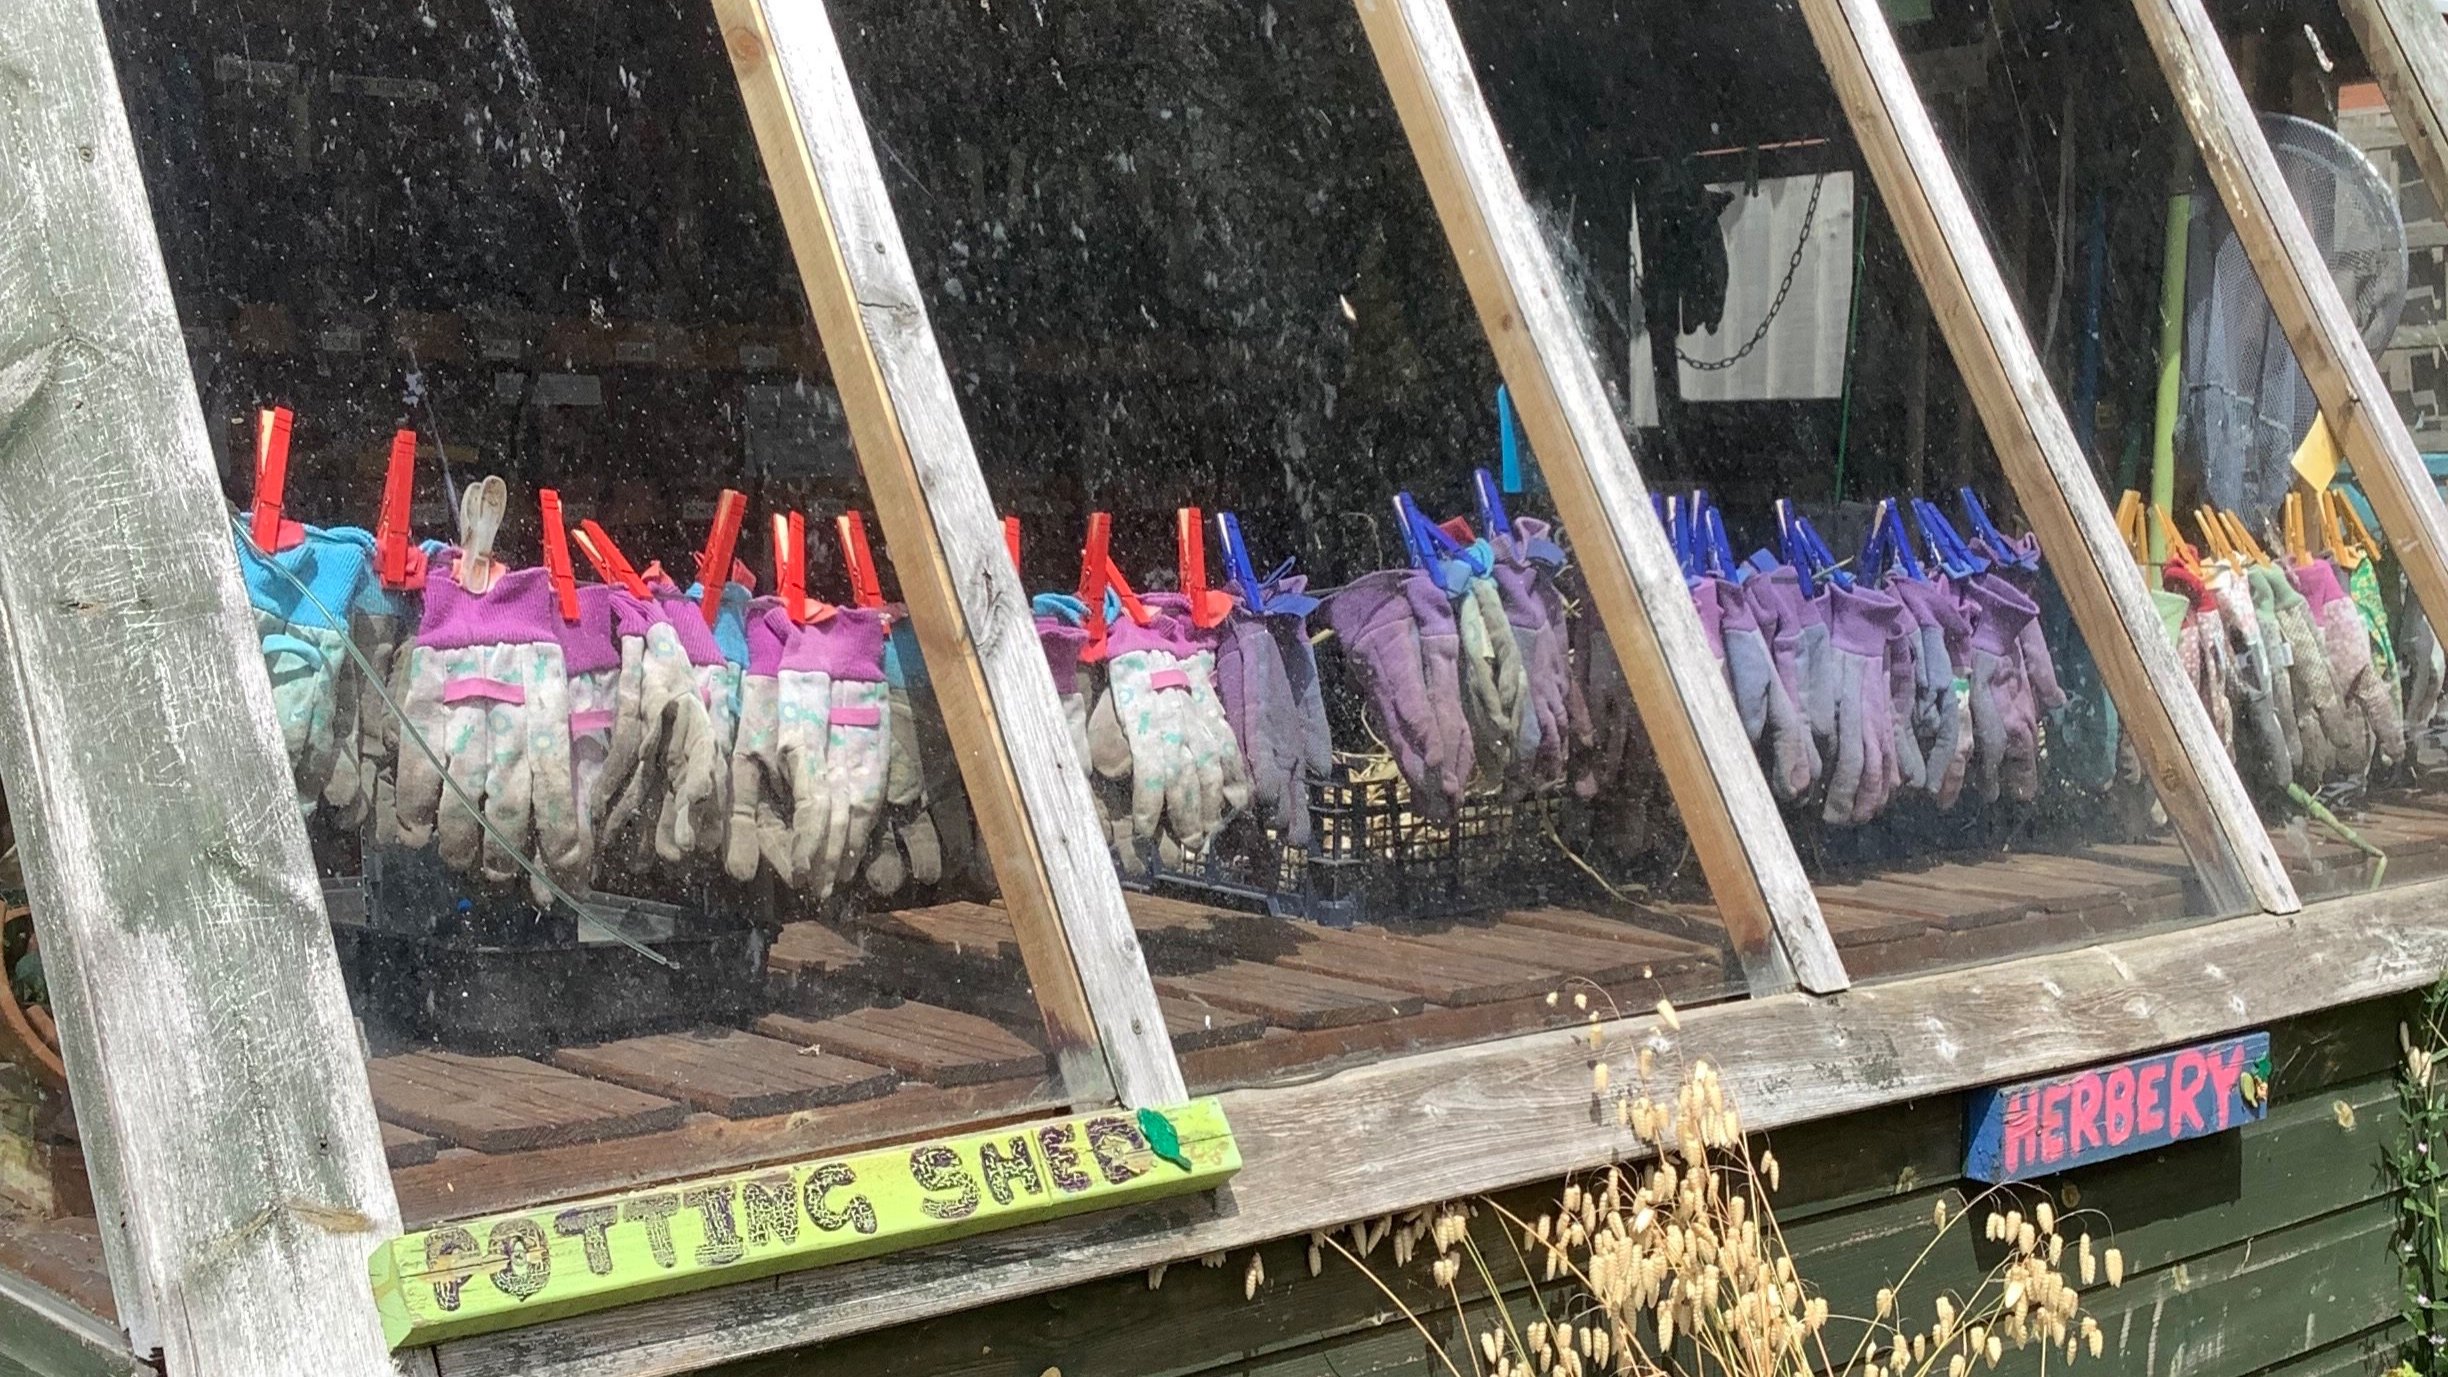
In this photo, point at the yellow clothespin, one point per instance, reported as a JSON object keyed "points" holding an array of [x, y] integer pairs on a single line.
{"points": [[2180, 552], [2241, 536], [2360, 533], [2130, 526], [2214, 536], [2292, 530], [2342, 549]]}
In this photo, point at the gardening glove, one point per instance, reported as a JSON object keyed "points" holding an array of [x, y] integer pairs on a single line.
{"points": [[660, 764], [1533, 540], [591, 657], [304, 636], [1546, 668], [1288, 610], [2378, 737], [909, 849], [1941, 716], [1609, 765], [2201, 645], [2249, 676], [1864, 773], [488, 692], [2323, 731], [1159, 713], [1770, 716], [2278, 657], [1399, 631], [2005, 718], [2363, 586], [1904, 674], [1491, 664], [1266, 677], [1797, 633], [1062, 637]]}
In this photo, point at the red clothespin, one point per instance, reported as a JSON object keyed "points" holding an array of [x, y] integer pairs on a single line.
{"points": [[1011, 540], [265, 527], [790, 570], [858, 561], [1208, 606], [1097, 575], [610, 564], [398, 562], [557, 555], [714, 565]]}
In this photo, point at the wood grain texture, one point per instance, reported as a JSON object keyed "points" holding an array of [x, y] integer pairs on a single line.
{"points": [[2196, 779], [737, 1075], [2407, 46], [1498, 1114], [209, 1044], [1753, 870], [2303, 294], [1033, 803], [941, 1046], [509, 1104]]}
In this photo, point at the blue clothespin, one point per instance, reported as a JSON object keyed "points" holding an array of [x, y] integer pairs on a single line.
{"points": [[1494, 520], [1448, 559], [1721, 550], [1678, 530], [1823, 558], [1945, 542], [2000, 548], [1237, 565], [1899, 542], [1795, 549], [1508, 439]]}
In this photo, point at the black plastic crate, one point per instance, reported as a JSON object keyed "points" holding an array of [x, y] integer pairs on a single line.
{"points": [[431, 962], [1374, 858]]}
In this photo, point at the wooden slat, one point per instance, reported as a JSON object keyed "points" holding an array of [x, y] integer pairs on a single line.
{"points": [[2303, 294], [2407, 46], [941, 1046], [181, 920], [1550, 365], [811, 949], [1033, 803], [504, 1104], [1489, 1115], [1437, 974], [404, 1147], [1291, 998], [2196, 780], [1666, 941], [1556, 955], [727, 1072], [60, 1255], [1194, 1024]]}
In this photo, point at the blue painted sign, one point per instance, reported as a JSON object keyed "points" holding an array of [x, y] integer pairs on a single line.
{"points": [[2039, 1128]]}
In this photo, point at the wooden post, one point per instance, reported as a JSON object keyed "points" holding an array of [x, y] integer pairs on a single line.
{"points": [[218, 1088], [1743, 846], [1033, 802], [2197, 781], [2302, 293], [2406, 43]]}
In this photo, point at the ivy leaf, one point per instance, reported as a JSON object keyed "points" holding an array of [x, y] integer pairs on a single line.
{"points": [[1162, 1139]]}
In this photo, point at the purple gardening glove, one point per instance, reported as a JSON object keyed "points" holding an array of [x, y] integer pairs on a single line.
{"points": [[1533, 538], [1062, 642], [1904, 687], [2005, 718], [1546, 665], [1796, 629], [1610, 765], [1266, 677], [1399, 631], [489, 693], [1865, 773], [1942, 719], [1762, 697]]}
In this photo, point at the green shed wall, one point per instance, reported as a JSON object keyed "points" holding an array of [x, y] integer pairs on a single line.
{"points": [[2263, 1251]]}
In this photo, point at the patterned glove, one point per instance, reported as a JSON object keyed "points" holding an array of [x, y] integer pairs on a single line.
{"points": [[660, 763], [306, 654], [2378, 736], [909, 850], [591, 657], [488, 692]]}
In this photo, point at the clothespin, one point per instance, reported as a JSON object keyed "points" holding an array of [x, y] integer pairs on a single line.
{"points": [[481, 508], [610, 564], [2214, 536], [1899, 542], [1492, 513], [557, 556], [2291, 530], [1947, 545], [858, 561], [1434, 548], [714, 564], [1508, 441], [266, 527], [1237, 565], [1820, 554], [1011, 540], [1098, 577], [2001, 549], [1208, 607], [2180, 551], [1795, 549], [790, 564], [1721, 550], [2130, 520], [2240, 537], [398, 561], [2360, 534]]}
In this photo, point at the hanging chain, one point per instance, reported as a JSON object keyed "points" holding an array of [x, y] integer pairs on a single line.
{"points": [[1793, 268]]}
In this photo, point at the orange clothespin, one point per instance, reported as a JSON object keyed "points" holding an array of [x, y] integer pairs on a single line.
{"points": [[2214, 536], [2180, 551], [1098, 575], [1011, 540], [2130, 526], [2291, 530], [265, 526], [2241, 537], [1208, 606], [790, 571], [557, 555], [2359, 533], [714, 565], [398, 563], [610, 565], [858, 561]]}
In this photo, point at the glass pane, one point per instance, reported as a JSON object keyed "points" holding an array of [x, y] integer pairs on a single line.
{"points": [[1182, 261], [2328, 687], [726, 903], [1949, 764], [48, 1233]]}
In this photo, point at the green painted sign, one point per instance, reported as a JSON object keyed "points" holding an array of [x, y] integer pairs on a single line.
{"points": [[513, 1269]]}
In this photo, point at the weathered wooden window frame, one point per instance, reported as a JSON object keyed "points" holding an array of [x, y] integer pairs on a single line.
{"points": [[259, 1303]]}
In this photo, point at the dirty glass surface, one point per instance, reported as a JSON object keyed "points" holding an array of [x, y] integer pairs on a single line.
{"points": [[671, 887], [1182, 265], [1957, 785], [2091, 184]]}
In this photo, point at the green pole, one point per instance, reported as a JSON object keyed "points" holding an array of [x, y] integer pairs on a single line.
{"points": [[2171, 372]]}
